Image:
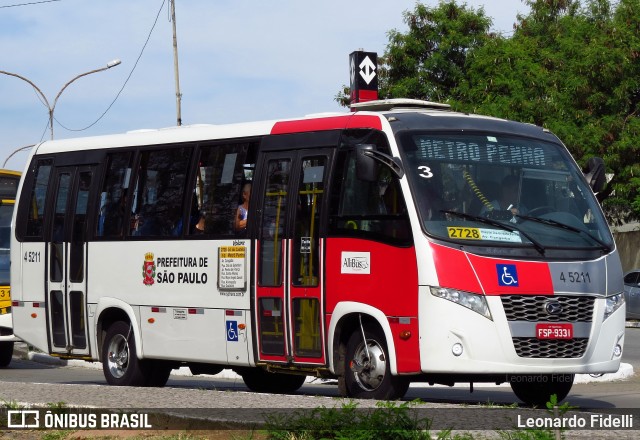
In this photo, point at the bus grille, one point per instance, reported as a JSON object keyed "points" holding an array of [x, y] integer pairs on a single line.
{"points": [[550, 348], [532, 308]]}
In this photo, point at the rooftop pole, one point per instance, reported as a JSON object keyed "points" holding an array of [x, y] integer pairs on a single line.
{"points": [[172, 4]]}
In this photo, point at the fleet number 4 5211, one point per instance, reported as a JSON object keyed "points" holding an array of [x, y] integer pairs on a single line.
{"points": [[32, 257], [575, 277]]}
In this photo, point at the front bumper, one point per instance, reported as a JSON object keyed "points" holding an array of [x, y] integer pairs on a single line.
{"points": [[485, 346]]}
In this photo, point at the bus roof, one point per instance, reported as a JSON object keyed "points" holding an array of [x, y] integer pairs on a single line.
{"points": [[365, 115]]}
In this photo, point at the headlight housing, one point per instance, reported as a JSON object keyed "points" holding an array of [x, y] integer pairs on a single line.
{"points": [[612, 304], [472, 301]]}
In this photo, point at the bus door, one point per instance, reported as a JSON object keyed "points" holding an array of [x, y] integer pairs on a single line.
{"points": [[67, 251], [290, 284]]}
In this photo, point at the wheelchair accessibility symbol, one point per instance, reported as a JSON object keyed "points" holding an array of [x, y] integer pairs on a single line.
{"points": [[232, 330], [507, 275]]}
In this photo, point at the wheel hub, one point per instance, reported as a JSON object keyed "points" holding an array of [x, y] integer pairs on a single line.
{"points": [[369, 371], [118, 357]]}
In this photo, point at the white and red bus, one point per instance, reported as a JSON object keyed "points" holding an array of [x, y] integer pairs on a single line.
{"points": [[379, 249]]}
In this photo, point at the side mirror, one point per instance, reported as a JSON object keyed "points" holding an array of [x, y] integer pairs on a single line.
{"points": [[595, 174], [366, 166], [369, 159]]}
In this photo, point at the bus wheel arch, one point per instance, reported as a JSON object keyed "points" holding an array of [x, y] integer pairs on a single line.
{"points": [[110, 311], [345, 319], [365, 371], [120, 362], [120, 353]]}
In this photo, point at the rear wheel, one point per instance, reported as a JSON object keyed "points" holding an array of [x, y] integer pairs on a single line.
{"points": [[156, 373], [6, 352], [120, 363], [262, 381], [537, 390], [367, 372]]}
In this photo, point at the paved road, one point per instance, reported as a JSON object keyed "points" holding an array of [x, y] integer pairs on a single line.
{"points": [[227, 399], [27, 375], [624, 394], [32, 382]]}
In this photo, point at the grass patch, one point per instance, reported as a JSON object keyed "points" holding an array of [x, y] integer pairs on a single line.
{"points": [[387, 420]]}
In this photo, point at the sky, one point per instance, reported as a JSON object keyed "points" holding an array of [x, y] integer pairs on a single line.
{"points": [[239, 61]]}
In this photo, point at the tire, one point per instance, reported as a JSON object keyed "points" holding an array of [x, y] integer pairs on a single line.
{"points": [[156, 373], [120, 364], [537, 390], [6, 353], [372, 380], [262, 381]]}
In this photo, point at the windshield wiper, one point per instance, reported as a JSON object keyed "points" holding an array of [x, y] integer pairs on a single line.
{"points": [[536, 244], [558, 224]]}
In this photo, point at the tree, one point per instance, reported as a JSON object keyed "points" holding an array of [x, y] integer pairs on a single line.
{"points": [[429, 60], [570, 66]]}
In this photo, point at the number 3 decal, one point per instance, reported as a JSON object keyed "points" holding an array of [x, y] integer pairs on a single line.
{"points": [[425, 172]]}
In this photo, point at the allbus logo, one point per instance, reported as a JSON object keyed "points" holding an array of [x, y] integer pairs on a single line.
{"points": [[356, 262]]}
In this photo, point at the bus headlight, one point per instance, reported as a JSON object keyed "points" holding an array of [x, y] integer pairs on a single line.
{"points": [[612, 304], [472, 301]]}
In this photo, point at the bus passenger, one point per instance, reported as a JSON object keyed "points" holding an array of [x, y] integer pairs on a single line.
{"points": [[240, 222]]}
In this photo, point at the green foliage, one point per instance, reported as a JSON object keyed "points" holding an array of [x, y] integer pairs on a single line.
{"points": [[386, 421], [58, 406], [55, 435], [428, 62], [11, 404], [553, 407], [542, 434], [528, 434], [572, 66]]}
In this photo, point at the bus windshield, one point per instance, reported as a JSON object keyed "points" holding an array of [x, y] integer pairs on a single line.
{"points": [[494, 189]]}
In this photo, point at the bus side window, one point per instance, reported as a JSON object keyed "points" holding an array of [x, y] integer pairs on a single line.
{"points": [[159, 192], [373, 209], [113, 197], [222, 172], [35, 219]]}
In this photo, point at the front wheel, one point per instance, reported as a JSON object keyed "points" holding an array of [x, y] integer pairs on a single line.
{"points": [[367, 372], [6, 352], [120, 364], [537, 390]]}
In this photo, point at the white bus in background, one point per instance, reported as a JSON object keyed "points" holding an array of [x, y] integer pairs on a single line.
{"points": [[379, 249]]}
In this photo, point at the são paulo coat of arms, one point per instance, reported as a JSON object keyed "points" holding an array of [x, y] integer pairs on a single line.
{"points": [[148, 269]]}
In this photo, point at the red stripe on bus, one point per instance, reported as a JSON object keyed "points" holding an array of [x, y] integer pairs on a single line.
{"points": [[457, 269], [328, 123], [533, 277], [454, 270]]}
